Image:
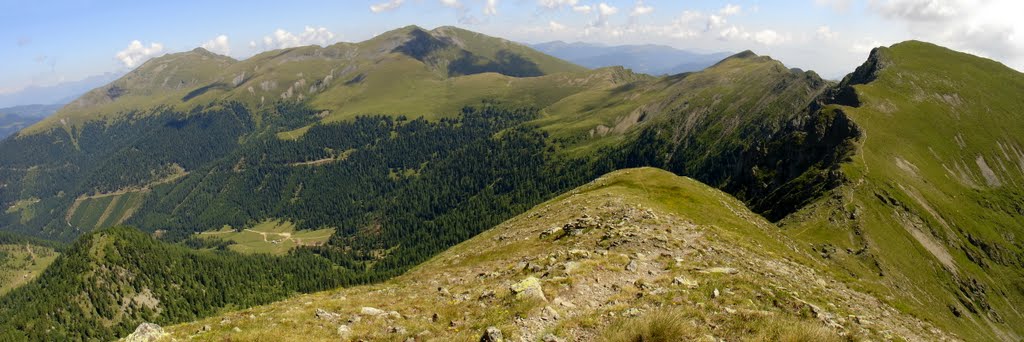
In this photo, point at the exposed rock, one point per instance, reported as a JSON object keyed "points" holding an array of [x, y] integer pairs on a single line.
{"points": [[396, 329], [146, 332], [492, 334], [563, 303], [680, 281], [719, 270], [550, 313], [344, 331], [556, 232], [394, 315], [355, 319], [327, 315], [552, 338], [528, 288], [715, 293], [236, 329], [370, 311], [632, 265], [631, 312]]}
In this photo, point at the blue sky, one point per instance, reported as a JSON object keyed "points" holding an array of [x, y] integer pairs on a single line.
{"points": [[48, 42]]}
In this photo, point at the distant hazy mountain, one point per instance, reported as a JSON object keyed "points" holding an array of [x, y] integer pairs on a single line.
{"points": [[13, 119], [58, 93], [648, 59]]}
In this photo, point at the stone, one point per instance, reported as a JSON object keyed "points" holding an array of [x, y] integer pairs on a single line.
{"points": [[632, 265], [371, 311], [553, 231], [715, 293], [680, 281], [489, 294], [396, 329], [236, 329], [492, 334], [550, 313], [344, 331], [552, 338], [327, 315], [207, 327], [528, 288], [631, 312], [146, 332], [720, 270], [355, 319], [563, 303], [394, 315], [571, 266]]}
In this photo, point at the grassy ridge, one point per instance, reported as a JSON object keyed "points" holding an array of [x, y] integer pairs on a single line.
{"points": [[933, 210]]}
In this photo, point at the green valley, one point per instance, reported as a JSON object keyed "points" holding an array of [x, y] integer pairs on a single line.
{"points": [[441, 174]]}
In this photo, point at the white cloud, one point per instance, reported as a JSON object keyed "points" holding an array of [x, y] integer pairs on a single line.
{"points": [[491, 7], [556, 26], [839, 5], [769, 37], [136, 53], [606, 9], [452, 3], [730, 9], [282, 39], [825, 33], [640, 9], [218, 45], [582, 9], [715, 21], [386, 6], [919, 10], [554, 4]]}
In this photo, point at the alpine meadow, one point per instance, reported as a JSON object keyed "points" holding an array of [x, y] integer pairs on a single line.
{"points": [[650, 183]]}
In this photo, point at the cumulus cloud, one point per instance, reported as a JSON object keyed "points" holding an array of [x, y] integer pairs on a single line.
{"points": [[136, 53], [218, 45], [839, 5], [452, 3], [606, 9], [491, 7], [919, 10], [640, 9], [730, 9], [555, 4], [585, 9], [556, 26], [386, 6], [282, 39], [825, 33]]}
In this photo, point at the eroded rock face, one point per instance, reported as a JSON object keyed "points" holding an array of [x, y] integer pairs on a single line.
{"points": [[146, 332]]}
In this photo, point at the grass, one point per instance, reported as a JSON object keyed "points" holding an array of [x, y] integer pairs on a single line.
{"points": [[273, 237], [466, 287], [104, 210], [929, 118], [19, 264]]}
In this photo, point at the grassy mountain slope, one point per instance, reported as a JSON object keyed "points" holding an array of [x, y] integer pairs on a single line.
{"points": [[420, 67], [932, 216], [651, 251]]}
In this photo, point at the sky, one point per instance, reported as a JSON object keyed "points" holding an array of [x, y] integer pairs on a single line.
{"points": [[44, 43]]}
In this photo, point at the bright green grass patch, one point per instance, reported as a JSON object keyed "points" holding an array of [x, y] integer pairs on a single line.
{"points": [[19, 264], [272, 236]]}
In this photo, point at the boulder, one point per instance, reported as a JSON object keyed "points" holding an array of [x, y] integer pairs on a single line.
{"points": [[344, 331], [146, 332], [327, 315], [492, 334], [370, 311], [529, 288]]}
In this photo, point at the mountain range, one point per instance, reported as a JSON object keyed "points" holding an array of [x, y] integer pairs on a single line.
{"points": [[648, 59], [459, 185]]}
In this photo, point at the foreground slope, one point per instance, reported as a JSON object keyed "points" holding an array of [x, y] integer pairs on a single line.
{"points": [[632, 250], [932, 215]]}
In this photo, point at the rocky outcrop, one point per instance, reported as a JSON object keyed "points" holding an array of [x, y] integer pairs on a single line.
{"points": [[146, 332]]}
